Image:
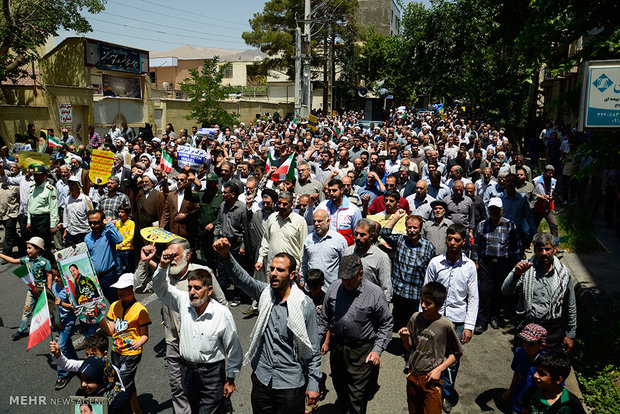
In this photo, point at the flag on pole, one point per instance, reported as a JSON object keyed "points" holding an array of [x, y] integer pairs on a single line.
{"points": [[286, 171], [53, 141], [293, 124], [166, 162], [41, 323], [269, 162], [24, 274]]}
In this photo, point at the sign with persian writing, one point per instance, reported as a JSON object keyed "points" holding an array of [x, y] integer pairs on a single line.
{"points": [[119, 58], [65, 112]]}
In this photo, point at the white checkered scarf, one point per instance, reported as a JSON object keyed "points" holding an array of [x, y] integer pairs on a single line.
{"points": [[295, 322], [559, 282]]}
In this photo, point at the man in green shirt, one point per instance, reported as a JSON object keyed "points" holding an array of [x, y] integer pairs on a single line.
{"points": [[42, 208], [210, 200]]}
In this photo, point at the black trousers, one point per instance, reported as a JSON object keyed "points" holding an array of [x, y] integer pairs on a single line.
{"points": [[354, 380], [11, 239], [491, 275], [204, 386], [22, 219], [107, 279], [555, 333], [40, 226], [267, 400], [403, 310]]}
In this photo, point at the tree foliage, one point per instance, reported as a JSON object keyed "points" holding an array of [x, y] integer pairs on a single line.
{"points": [[488, 53], [204, 89], [25, 25]]}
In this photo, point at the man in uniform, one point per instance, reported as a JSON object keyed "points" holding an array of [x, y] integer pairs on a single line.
{"points": [[42, 208]]}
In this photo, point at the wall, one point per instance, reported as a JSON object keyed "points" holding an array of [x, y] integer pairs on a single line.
{"points": [[375, 13], [65, 65]]}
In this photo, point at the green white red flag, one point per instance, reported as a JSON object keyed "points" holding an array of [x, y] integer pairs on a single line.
{"points": [[286, 171], [41, 323], [53, 142], [24, 274], [269, 162], [166, 162], [293, 124]]}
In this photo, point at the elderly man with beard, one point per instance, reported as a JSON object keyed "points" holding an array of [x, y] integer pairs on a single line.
{"points": [[376, 263], [177, 276], [323, 250], [202, 357], [545, 294], [284, 344], [122, 173]]}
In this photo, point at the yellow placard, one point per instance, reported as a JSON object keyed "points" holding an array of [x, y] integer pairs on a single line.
{"points": [[28, 157], [383, 219], [157, 235], [334, 113], [101, 164], [313, 121]]}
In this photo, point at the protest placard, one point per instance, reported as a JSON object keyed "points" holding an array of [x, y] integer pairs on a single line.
{"points": [[204, 132], [27, 157], [101, 164], [20, 147], [65, 112], [312, 122], [193, 157], [383, 219], [157, 235], [81, 283]]}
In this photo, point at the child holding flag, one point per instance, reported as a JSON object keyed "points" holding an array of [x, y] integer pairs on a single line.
{"points": [[67, 319], [36, 272]]}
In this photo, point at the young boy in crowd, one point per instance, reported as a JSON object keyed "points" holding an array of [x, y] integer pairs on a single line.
{"points": [[95, 345], [549, 394], [127, 323], [430, 337], [67, 320], [97, 379], [41, 270], [534, 339], [126, 228]]}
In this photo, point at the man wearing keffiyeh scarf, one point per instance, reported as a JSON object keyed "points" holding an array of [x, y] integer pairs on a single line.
{"points": [[545, 294]]}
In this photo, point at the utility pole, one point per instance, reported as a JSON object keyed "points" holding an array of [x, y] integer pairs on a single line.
{"points": [[330, 72], [298, 82], [306, 106]]}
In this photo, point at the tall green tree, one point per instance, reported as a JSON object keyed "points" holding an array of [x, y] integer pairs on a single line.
{"points": [[25, 26], [205, 91]]}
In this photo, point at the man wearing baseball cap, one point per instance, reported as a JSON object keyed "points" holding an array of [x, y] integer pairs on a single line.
{"points": [[42, 207], [357, 337], [496, 250]]}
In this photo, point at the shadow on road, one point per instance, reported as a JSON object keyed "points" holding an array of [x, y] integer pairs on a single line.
{"points": [[150, 405], [495, 395]]}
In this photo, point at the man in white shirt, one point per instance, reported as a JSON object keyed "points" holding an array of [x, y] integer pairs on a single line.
{"points": [[207, 335], [458, 274]]}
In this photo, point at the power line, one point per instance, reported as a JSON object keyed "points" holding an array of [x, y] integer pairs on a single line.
{"points": [[155, 40], [147, 22], [162, 14], [160, 31], [194, 14]]}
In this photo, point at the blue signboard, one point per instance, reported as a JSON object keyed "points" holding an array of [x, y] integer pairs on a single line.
{"points": [[601, 103], [119, 58]]}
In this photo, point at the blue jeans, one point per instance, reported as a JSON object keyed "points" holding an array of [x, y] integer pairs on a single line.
{"points": [[125, 258], [449, 375], [66, 345]]}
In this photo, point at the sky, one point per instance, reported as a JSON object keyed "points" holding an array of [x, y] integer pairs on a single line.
{"points": [[158, 25]]}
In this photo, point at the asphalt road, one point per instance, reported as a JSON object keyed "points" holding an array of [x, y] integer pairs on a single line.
{"points": [[27, 378]]}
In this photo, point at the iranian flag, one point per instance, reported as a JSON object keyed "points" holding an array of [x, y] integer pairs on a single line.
{"points": [[293, 124], [53, 141], [286, 171], [41, 324], [24, 274], [166, 162], [335, 131], [269, 162]]}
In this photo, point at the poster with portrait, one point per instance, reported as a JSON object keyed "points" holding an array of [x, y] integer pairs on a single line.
{"points": [[88, 405], [81, 283]]}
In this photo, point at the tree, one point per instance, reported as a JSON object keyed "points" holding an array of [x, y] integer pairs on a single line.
{"points": [[25, 26], [205, 90]]}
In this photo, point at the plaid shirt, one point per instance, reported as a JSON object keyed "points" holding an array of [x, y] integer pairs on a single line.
{"points": [[501, 242], [109, 205], [409, 264]]}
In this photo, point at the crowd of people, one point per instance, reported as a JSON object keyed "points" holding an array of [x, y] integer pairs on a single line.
{"points": [[335, 236]]}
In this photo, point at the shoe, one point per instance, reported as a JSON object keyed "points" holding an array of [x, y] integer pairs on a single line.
{"points": [[61, 383], [18, 335], [446, 405], [251, 311], [494, 323], [234, 303], [501, 322], [479, 329]]}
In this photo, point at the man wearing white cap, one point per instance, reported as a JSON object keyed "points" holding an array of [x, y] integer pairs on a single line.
{"points": [[496, 251], [75, 215]]}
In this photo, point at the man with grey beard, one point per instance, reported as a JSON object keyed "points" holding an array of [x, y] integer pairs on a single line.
{"points": [[179, 268]]}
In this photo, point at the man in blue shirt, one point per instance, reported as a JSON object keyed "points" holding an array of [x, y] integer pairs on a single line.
{"points": [[101, 243]]}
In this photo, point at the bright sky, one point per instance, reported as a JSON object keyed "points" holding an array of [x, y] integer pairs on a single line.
{"points": [[159, 25]]}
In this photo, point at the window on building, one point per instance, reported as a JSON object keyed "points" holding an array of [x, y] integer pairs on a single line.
{"points": [[152, 76], [228, 72]]}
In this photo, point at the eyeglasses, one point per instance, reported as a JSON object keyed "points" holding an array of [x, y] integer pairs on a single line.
{"points": [[94, 223]]}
